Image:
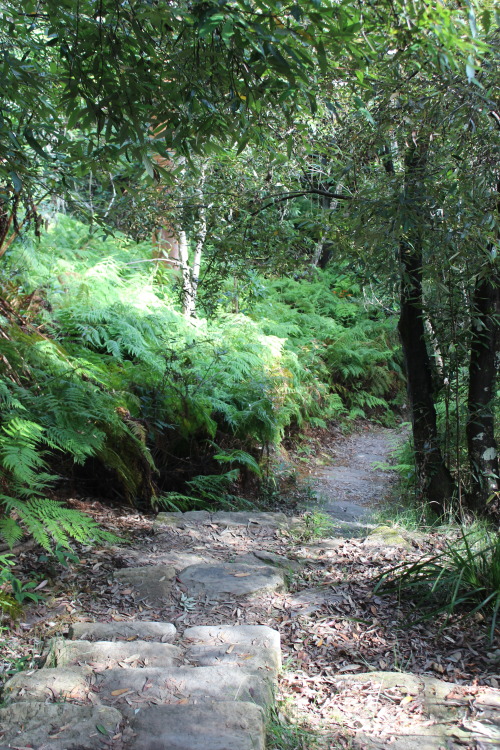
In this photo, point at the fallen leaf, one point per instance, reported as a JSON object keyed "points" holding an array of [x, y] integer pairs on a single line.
{"points": [[406, 699], [121, 691]]}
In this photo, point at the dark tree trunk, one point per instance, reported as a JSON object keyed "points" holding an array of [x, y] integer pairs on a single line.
{"points": [[436, 485], [483, 368]]}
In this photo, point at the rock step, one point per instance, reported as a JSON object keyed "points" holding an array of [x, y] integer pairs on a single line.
{"points": [[227, 644], [57, 726], [142, 630], [251, 647], [107, 654], [222, 518], [66, 726], [216, 701], [215, 581], [221, 726], [129, 689], [231, 579]]}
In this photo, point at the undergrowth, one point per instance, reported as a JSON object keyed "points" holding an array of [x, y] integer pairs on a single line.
{"points": [[462, 580], [105, 384]]}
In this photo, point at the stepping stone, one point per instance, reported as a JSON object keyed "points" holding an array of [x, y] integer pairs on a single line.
{"points": [[220, 726], [262, 557], [152, 582], [231, 579], [123, 631], [130, 689], [106, 654], [245, 518], [64, 683], [250, 658], [222, 517], [177, 560], [58, 726], [241, 636], [180, 519]]}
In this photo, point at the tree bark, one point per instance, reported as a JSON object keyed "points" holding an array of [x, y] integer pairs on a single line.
{"points": [[483, 368], [435, 483]]}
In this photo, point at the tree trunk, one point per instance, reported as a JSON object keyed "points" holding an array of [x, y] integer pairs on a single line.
{"points": [[434, 480], [483, 368]]}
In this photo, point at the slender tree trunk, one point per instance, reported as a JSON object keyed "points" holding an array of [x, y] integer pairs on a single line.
{"points": [[191, 273], [483, 368], [435, 482]]}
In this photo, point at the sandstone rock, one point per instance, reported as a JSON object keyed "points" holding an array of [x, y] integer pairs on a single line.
{"points": [[152, 582], [179, 519], [106, 654], [262, 557], [123, 631], [252, 647], [220, 726], [64, 683], [231, 579], [189, 684], [58, 726], [245, 518]]}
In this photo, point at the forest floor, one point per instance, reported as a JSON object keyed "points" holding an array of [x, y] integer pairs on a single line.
{"points": [[339, 639]]}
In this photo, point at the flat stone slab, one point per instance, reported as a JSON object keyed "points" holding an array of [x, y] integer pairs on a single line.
{"points": [[178, 519], [222, 517], [250, 658], [130, 689], [64, 683], [246, 518], [152, 582], [244, 636], [231, 579], [220, 726], [262, 557], [58, 726], [105, 655], [123, 631]]}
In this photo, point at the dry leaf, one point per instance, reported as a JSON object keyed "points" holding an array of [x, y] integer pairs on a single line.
{"points": [[121, 691]]}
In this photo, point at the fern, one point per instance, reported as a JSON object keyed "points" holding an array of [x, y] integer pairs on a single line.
{"points": [[50, 523]]}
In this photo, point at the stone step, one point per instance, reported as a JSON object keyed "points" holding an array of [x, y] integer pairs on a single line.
{"points": [[222, 518], [231, 579], [220, 726], [58, 726], [150, 582], [63, 683], [216, 701], [142, 630], [130, 689], [217, 643], [106, 654]]}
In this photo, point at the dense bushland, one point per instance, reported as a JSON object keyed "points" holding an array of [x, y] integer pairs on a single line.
{"points": [[100, 370]]}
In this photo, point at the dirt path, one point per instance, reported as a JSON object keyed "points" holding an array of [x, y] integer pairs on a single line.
{"points": [[355, 674], [355, 486]]}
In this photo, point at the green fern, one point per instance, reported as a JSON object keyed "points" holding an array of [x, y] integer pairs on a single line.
{"points": [[49, 522]]}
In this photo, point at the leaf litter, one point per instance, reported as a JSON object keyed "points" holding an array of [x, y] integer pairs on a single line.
{"points": [[331, 622]]}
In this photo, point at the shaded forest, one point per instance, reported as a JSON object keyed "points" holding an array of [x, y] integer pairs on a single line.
{"points": [[225, 223]]}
